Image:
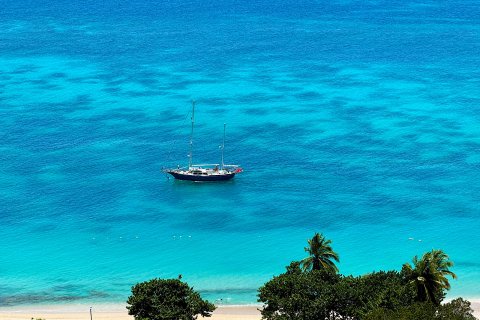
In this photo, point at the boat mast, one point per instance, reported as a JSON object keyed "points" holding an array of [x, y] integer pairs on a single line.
{"points": [[223, 144], [190, 155]]}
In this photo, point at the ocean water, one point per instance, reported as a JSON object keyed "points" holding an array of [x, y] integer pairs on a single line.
{"points": [[358, 120]]}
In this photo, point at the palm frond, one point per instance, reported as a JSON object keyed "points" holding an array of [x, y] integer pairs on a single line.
{"points": [[321, 254], [430, 274]]}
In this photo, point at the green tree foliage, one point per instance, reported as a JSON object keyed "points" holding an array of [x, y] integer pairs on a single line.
{"points": [[170, 299], [375, 290], [415, 311], [380, 295], [313, 290], [321, 294], [298, 295], [429, 274], [321, 254], [457, 309]]}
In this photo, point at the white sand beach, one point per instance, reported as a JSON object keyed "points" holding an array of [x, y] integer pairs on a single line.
{"points": [[476, 308], [110, 312], [119, 312]]}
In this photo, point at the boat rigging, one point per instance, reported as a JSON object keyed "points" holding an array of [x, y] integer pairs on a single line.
{"points": [[204, 172]]}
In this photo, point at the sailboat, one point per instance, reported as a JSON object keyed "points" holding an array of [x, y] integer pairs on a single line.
{"points": [[204, 172]]}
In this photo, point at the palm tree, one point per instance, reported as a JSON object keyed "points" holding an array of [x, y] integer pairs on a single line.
{"points": [[429, 275], [321, 255]]}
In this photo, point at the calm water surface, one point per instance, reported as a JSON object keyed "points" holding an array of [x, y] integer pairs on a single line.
{"points": [[357, 120]]}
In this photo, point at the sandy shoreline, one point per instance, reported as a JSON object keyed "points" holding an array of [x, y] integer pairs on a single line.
{"points": [[110, 312], [119, 312]]}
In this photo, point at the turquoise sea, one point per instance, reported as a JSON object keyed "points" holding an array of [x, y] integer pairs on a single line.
{"points": [[357, 119]]}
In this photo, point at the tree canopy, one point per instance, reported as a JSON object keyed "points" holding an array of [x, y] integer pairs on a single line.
{"points": [[170, 299], [321, 254], [320, 294], [312, 289], [457, 309], [429, 274]]}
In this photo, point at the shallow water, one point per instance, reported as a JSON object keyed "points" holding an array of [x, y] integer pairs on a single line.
{"points": [[358, 121]]}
